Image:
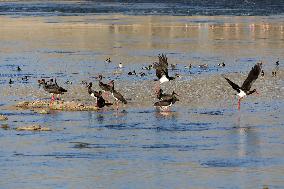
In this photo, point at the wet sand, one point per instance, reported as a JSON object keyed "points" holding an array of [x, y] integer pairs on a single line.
{"points": [[195, 92], [204, 142]]}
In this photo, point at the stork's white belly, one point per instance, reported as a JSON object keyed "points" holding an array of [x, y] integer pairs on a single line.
{"points": [[93, 95], [163, 79], [166, 107], [242, 94]]}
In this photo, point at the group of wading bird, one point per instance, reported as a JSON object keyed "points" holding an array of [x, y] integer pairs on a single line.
{"points": [[165, 100]]}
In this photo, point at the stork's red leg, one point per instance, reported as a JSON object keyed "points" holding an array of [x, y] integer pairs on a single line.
{"points": [[52, 100], [239, 104], [107, 96], [117, 105], [157, 86]]}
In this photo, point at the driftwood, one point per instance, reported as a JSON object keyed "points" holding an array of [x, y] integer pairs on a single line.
{"points": [[43, 107], [3, 118], [33, 128]]}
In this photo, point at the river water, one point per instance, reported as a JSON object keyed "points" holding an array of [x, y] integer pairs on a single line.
{"points": [[203, 142]]}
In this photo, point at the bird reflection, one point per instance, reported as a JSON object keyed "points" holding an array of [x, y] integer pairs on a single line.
{"points": [[166, 114], [100, 118], [248, 137], [120, 113]]}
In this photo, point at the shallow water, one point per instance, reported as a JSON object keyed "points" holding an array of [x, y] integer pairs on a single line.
{"points": [[203, 142], [142, 7]]}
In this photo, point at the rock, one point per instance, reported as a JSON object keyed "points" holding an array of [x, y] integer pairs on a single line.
{"points": [[3, 118], [33, 128], [5, 126], [23, 104], [57, 105], [42, 111]]}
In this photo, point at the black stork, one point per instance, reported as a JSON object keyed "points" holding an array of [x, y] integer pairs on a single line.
{"points": [[52, 88], [116, 95], [100, 101], [164, 96], [105, 87], [167, 102], [162, 69], [244, 90]]}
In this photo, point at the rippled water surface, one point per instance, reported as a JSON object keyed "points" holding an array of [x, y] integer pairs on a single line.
{"points": [[143, 7], [203, 142]]}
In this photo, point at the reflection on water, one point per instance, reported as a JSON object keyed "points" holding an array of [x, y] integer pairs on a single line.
{"points": [[168, 114], [185, 8], [100, 118]]}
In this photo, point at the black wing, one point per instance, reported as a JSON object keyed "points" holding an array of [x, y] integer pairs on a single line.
{"points": [[62, 90], [163, 103], [104, 87], [252, 76], [234, 85], [59, 89], [161, 66], [119, 96], [163, 60], [166, 96], [95, 93]]}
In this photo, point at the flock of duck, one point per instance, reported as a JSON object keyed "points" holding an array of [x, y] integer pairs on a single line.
{"points": [[162, 73]]}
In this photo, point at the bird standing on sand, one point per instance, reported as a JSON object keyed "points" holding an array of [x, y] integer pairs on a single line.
{"points": [[100, 101], [110, 88], [52, 88], [162, 69], [105, 87], [164, 96], [244, 90], [166, 103], [116, 95]]}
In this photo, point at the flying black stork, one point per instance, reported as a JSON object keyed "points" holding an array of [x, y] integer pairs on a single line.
{"points": [[244, 90], [162, 70]]}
